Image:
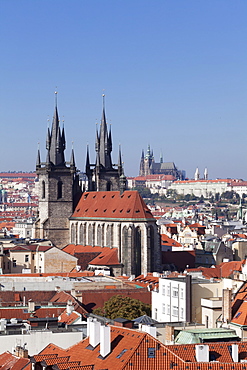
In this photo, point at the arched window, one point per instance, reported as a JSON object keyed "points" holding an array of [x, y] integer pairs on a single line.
{"points": [[150, 240], [59, 190], [99, 236], [43, 189], [137, 250], [108, 186], [124, 257], [73, 234]]}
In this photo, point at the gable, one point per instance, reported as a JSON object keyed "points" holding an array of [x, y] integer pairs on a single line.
{"points": [[113, 205]]}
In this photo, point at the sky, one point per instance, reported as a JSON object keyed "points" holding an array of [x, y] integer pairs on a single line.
{"points": [[174, 75]]}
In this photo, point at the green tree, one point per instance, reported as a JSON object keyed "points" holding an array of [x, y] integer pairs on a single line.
{"points": [[124, 307]]}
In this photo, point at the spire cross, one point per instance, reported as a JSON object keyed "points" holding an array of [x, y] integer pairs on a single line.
{"points": [[103, 95], [56, 97]]}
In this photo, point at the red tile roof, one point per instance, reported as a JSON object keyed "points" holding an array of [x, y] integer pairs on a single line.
{"points": [[132, 349], [166, 241], [101, 256], [9, 361], [113, 205]]}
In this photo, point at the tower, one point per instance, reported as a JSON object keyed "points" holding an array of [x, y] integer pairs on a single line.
{"points": [[104, 175], [197, 174], [58, 187]]}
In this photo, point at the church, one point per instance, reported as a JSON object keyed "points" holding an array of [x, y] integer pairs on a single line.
{"points": [[106, 215], [148, 166]]}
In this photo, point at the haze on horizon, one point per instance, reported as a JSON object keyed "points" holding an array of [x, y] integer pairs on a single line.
{"points": [[174, 74]]}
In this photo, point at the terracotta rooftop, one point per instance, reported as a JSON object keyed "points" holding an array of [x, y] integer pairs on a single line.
{"points": [[132, 349], [86, 254], [9, 361], [113, 205]]}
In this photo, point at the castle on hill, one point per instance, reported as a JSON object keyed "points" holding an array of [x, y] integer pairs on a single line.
{"points": [[148, 166]]}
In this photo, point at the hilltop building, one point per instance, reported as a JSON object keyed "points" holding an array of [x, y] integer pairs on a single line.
{"points": [[148, 166]]}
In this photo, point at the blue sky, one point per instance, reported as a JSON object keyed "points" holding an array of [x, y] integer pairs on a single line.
{"points": [[174, 74]]}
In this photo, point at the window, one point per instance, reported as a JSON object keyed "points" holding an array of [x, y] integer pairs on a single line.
{"points": [[163, 308], [151, 352], [175, 292], [174, 311], [182, 293], [26, 258], [168, 290], [163, 290], [155, 314], [168, 309], [43, 189], [182, 313], [14, 263], [59, 190]]}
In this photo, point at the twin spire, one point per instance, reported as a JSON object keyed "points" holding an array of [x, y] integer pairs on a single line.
{"points": [[55, 144]]}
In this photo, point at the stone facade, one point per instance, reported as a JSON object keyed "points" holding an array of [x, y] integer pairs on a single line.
{"points": [[134, 233], [58, 188]]}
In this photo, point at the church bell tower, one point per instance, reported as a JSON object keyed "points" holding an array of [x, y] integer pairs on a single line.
{"points": [[58, 187]]}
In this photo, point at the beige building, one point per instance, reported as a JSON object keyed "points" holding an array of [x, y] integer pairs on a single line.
{"points": [[38, 258]]}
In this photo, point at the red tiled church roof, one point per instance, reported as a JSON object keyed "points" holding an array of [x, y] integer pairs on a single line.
{"points": [[112, 204]]}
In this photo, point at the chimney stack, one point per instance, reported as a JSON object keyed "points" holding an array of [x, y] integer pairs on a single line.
{"points": [[227, 305], [234, 352], [105, 340], [93, 330], [202, 353]]}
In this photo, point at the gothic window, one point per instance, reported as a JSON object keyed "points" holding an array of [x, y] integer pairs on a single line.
{"points": [[73, 234], [99, 236], [103, 235], [150, 241], [59, 190], [93, 235], [124, 257], [43, 189], [108, 236], [81, 234], [137, 251], [108, 186], [90, 235]]}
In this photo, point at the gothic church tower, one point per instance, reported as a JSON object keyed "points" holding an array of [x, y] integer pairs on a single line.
{"points": [[102, 176], [58, 185]]}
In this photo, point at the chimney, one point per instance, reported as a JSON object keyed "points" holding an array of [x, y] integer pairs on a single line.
{"points": [[227, 305], [152, 330], [202, 353], [235, 353], [70, 307], [93, 332], [169, 333], [105, 340], [31, 306]]}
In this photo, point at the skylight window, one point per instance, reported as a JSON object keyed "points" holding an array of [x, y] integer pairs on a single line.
{"points": [[121, 353], [238, 314]]}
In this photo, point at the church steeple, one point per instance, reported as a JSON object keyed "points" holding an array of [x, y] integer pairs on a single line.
{"points": [[55, 141], [104, 140], [58, 184], [104, 175]]}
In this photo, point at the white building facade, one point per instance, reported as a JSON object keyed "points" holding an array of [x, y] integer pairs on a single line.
{"points": [[171, 303]]}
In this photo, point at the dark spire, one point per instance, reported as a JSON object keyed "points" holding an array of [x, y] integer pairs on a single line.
{"points": [[87, 162], [38, 162], [48, 139], [142, 157], [72, 158], [56, 142], [104, 146], [120, 164]]}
